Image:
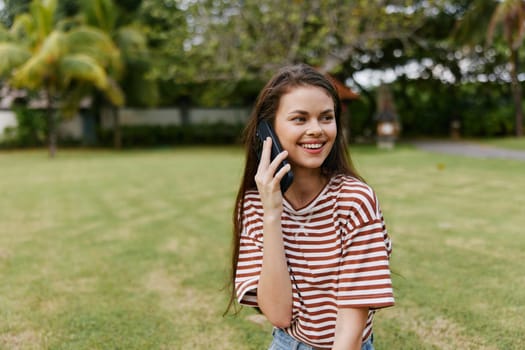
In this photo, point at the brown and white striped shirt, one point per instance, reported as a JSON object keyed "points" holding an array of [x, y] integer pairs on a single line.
{"points": [[338, 252]]}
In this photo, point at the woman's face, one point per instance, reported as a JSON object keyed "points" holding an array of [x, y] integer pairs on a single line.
{"points": [[305, 125]]}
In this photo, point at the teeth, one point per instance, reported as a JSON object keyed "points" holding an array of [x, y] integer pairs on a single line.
{"points": [[312, 145]]}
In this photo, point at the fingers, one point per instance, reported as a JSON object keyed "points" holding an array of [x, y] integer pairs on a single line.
{"points": [[263, 162], [280, 174], [274, 165], [265, 154], [267, 176]]}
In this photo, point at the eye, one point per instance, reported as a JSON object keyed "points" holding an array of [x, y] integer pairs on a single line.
{"points": [[327, 118], [299, 119]]}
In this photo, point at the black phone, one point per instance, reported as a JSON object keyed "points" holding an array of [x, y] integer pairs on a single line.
{"points": [[264, 130]]}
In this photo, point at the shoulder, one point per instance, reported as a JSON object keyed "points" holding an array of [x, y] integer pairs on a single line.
{"points": [[346, 186], [354, 195]]}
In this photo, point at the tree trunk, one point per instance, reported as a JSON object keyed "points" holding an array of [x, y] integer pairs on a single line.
{"points": [[51, 126], [370, 122], [117, 135], [347, 114], [516, 92], [52, 133]]}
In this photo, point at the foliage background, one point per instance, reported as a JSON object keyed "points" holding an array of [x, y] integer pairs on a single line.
{"points": [[220, 53]]}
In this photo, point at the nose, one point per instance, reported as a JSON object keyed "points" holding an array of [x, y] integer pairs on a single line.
{"points": [[314, 129]]}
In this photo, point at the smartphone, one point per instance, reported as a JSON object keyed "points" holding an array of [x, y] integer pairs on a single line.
{"points": [[264, 130]]}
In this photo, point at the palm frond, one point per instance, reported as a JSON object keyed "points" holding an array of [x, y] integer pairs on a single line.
{"points": [[11, 56], [4, 35], [23, 27], [32, 74], [471, 28], [101, 14], [131, 42], [114, 93], [97, 44], [510, 15], [53, 47], [43, 13], [40, 69], [73, 98], [83, 68]]}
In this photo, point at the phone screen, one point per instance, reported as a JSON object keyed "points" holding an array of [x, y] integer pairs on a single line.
{"points": [[264, 130]]}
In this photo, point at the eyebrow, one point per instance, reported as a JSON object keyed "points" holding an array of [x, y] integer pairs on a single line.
{"points": [[299, 111]]}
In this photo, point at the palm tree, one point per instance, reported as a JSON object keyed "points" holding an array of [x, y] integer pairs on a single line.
{"points": [[510, 14], [480, 23], [60, 60], [130, 38]]}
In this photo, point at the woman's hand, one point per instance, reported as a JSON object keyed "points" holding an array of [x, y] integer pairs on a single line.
{"points": [[274, 290], [268, 181]]}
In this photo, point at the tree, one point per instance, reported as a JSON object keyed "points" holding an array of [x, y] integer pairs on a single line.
{"points": [[248, 39], [63, 62], [510, 14], [167, 34], [12, 8], [238, 43], [427, 54], [481, 22], [119, 23]]}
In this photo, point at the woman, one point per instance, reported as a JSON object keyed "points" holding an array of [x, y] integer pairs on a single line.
{"points": [[314, 260]]}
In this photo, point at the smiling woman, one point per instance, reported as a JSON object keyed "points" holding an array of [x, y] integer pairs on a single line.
{"points": [[305, 123], [314, 260]]}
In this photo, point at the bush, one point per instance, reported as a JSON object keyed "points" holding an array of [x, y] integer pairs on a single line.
{"points": [[428, 107], [31, 129], [490, 122], [487, 111], [152, 136]]}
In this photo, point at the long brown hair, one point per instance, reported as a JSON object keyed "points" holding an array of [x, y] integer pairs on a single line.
{"points": [[266, 105]]}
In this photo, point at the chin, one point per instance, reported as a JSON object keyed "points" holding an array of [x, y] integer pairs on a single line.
{"points": [[311, 166]]}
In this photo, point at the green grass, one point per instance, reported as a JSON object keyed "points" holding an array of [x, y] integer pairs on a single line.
{"points": [[106, 250], [514, 143]]}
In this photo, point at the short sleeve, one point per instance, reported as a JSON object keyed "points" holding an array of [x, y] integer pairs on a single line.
{"points": [[248, 271], [249, 262], [364, 276]]}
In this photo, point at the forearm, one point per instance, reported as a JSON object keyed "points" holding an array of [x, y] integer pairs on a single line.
{"points": [[274, 291], [349, 328]]}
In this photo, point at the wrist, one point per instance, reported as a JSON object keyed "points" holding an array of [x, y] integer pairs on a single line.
{"points": [[272, 218]]}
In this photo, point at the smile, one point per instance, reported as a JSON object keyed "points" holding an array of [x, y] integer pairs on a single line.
{"points": [[312, 145]]}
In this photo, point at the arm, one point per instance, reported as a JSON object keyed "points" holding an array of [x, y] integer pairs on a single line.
{"points": [[349, 328], [274, 291]]}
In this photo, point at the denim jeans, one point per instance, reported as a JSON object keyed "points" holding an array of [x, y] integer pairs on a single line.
{"points": [[283, 341]]}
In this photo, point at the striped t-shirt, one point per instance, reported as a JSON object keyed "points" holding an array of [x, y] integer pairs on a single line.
{"points": [[338, 252]]}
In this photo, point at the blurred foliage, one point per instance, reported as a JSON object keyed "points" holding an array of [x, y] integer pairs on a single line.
{"points": [[430, 107], [31, 129], [505, 19], [209, 48], [448, 75], [119, 21], [220, 53], [44, 53], [11, 9], [218, 133]]}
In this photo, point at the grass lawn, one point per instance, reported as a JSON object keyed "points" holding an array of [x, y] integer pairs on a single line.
{"points": [[507, 142], [130, 250]]}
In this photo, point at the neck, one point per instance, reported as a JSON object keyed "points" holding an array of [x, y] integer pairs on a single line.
{"points": [[305, 187]]}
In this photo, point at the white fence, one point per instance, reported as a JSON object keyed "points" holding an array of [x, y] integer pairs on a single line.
{"points": [[7, 120], [74, 128]]}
